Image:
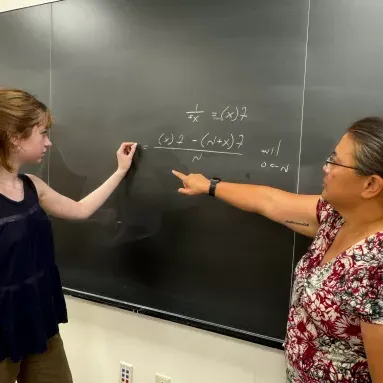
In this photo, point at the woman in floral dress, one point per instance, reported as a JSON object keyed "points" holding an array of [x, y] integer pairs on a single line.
{"points": [[335, 323]]}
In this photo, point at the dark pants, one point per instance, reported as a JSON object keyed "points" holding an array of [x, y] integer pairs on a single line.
{"points": [[49, 367]]}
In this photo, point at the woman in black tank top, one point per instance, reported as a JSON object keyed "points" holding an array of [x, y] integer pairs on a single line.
{"points": [[31, 299]]}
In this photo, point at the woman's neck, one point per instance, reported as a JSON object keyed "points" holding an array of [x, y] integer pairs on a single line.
{"points": [[8, 177], [368, 216]]}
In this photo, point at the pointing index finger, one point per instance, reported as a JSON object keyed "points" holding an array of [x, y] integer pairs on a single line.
{"points": [[180, 175]]}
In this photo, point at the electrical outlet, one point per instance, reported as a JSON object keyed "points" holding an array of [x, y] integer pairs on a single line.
{"points": [[126, 373], [162, 379]]}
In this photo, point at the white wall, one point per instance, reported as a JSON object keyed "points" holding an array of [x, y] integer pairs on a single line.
{"points": [[97, 337], [8, 5]]}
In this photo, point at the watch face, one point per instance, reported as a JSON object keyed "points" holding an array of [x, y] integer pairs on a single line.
{"points": [[216, 179]]}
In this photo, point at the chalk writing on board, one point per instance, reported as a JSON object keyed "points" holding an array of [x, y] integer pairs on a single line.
{"points": [[206, 143], [229, 113], [194, 115], [197, 158], [197, 150], [230, 143], [274, 151], [281, 168]]}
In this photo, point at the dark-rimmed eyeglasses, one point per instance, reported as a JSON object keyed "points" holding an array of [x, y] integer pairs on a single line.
{"points": [[330, 161]]}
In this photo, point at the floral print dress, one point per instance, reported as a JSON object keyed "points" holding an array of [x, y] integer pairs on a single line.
{"points": [[323, 340]]}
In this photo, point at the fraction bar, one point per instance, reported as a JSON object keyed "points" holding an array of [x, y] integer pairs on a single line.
{"points": [[197, 150]]}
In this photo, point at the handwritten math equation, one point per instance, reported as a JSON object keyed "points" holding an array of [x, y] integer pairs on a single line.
{"points": [[208, 143], [230, 144], [229, 113], [271, 161], [208, 140]]}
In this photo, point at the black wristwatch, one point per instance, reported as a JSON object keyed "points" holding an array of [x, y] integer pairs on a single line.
{"points": [[213, 183]]}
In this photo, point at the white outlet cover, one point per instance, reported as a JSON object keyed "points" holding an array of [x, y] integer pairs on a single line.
{"points": [[126, 373], [162, 379]]}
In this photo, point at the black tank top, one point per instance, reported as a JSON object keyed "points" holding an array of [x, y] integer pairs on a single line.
{"points": [[31, 299]]}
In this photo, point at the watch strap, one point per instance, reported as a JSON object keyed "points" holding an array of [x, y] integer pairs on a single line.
{"points": [[213, 185]]}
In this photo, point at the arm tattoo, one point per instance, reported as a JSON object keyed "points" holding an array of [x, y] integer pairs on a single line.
{"points": [[298, 223]]}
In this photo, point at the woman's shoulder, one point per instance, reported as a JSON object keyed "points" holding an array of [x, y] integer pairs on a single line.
{"points": [[33, 181], [370, 251], [325, 211]]}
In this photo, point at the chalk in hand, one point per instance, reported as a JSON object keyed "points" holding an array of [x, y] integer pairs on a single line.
{"points": [[130, 147]]}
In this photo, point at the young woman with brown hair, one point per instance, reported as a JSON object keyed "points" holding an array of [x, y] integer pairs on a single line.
{"points": [[31, 299]]}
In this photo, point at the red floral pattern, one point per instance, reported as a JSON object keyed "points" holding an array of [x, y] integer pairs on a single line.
{"points": [[323, 341]]}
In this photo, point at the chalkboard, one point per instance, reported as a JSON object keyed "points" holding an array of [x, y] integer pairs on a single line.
{"points": [[25, 57], [213, 87], [250, 91]]}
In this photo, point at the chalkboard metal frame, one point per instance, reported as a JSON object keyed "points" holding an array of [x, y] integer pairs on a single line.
{"points": [[192, 322]]}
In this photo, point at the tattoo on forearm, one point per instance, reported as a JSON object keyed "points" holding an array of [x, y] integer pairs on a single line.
{"points": [[298, 223]]}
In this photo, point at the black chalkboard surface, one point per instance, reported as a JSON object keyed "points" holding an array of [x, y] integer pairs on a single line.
{"points": [[213, 87], [25, 49], [250, 91]]}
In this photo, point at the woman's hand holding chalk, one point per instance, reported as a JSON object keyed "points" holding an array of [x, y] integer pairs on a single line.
{"points": [[125, 155]]}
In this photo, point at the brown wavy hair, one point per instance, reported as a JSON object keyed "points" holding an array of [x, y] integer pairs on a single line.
{"points": [[20, 112]]}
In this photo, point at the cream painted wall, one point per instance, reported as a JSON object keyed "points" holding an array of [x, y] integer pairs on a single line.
{"points": [[8, 5], [98, 337]]}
